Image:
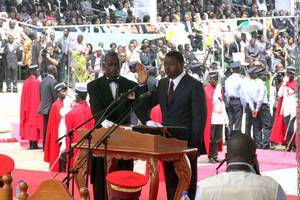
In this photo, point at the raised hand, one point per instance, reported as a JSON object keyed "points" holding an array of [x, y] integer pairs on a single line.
{"points": [[142, 74]]}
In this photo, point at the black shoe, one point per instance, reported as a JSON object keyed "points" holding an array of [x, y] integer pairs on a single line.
{"points": [[8, 90], [217, 160], [33, 145], [211, 160], [15, 90], [30, 145]]}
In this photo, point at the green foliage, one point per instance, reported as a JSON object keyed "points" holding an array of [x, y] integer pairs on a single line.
{"points": [[81, 73]]}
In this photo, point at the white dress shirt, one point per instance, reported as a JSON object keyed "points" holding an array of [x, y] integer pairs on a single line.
{"points": [[177, 80]]}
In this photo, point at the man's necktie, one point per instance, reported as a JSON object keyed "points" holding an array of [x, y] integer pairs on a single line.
{"points": [[170, 91]]}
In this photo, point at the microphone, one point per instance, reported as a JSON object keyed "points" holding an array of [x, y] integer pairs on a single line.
{"points": [[125, 94]]}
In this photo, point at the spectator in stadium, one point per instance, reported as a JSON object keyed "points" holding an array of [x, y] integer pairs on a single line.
{"points": [[190, 29], [160, 59], [145, 56], [252, 51]]}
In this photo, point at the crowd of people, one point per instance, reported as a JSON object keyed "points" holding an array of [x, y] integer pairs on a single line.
{"points": [[83, 12]]}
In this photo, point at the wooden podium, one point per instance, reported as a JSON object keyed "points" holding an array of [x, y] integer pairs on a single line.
{"points": [[127, 144]]}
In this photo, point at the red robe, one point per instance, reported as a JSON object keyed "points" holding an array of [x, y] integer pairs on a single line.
{"points": [[279, 127], [31, 123], [209, 94], [51, 150], [77, 116], [156, 116]]}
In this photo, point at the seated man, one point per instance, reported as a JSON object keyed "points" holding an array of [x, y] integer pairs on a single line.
{"points": [[242, 179]]}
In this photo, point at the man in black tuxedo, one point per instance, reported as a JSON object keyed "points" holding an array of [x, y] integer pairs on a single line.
{"points": [[182, 102], [102, 92]]}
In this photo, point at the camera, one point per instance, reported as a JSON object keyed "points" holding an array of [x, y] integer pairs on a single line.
{"points": [[44, 52], [279, 76]]}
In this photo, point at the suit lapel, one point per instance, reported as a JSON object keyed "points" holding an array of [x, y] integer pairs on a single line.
{"points": [[106, 89], [180, 87], [164, 93]]}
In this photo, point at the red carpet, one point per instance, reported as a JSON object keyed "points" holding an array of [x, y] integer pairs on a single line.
{"points": [[268, 161]]}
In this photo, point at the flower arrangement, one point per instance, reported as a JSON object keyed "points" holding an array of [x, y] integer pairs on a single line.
{"points": [[80, 71]]}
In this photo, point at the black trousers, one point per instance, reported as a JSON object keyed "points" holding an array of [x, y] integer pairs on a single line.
{"points": [[46, 117], [62, 68], [235, 115], [11, 77], [262, 126], [249, 120], [98, 175], [215, 138], [172, 179]]}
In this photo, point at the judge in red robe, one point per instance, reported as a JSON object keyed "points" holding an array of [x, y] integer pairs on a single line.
{"points": [[78, 115], [216, 117], [52, 148], [31, 123], [286, 111]]}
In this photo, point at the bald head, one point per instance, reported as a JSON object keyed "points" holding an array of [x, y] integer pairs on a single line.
{"points": [[241, 148]]}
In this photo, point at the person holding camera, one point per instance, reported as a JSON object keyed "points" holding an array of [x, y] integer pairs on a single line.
{"points": [[242, 179], [46, 58]]}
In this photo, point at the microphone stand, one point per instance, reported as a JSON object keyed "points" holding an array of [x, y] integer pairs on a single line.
{"points": [[102, 140], [88, 136]]}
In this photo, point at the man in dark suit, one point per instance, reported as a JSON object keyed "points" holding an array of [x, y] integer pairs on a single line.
{"points": [[182, 102], [235, 47], [64, 44], [12, 52], [48, 96], [102, 92]]}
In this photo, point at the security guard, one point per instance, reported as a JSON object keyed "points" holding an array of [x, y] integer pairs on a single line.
{"points": [[233, 94], [258, 105]]}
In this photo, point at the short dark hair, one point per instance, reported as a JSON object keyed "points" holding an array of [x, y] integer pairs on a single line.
{"points": [[241, 147], [176, 55], [110, 54]]}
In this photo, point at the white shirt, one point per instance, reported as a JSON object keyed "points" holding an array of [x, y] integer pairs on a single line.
{"points": [[289, 102], [177, 80], [113, 88], [255, 92], [233, 86], [219, 115], [239, 185], [62, 128]]}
